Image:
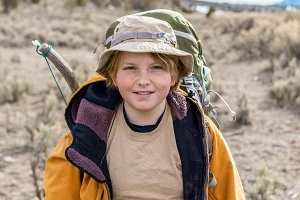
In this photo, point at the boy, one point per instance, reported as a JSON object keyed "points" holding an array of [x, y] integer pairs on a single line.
{"points": [[140, 137]]}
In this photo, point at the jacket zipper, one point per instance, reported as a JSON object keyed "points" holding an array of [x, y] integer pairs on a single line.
{"points": [[108, 191]]}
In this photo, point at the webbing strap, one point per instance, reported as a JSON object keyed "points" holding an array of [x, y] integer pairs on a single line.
{"points": [[185, 35], [136, 35], [212, 179], [108, 40], [177, 33], [209, 140]]}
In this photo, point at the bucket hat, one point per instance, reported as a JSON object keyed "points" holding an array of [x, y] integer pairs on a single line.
{"points": [[141, 34]]}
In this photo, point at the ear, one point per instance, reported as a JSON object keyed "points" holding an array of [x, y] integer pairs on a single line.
{"points": [[173, 81], [115, 81]]}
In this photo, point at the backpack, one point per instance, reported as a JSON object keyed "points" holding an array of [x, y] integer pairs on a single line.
{"points": [[198, 83]]}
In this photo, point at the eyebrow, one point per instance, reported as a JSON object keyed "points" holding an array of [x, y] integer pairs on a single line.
{"points": [[132, 63], [128, 63]]}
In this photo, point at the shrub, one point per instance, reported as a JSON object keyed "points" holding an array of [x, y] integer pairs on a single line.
{"points": [[264, 186], [211, 11], [286, 91], [286, 39], [81, 2], [9, 4], [13, 86], [81, 70], [129, 5], [101, 3], [243, 114], [286, 85], [234, 24], [75, 3], [254, 43], [265, 37], [44, 132]]}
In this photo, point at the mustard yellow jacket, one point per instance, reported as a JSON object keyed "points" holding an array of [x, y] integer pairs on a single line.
{"points": [[64, 181]]}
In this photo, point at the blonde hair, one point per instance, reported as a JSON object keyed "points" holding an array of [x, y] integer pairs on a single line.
{"points": [[172, 63]]}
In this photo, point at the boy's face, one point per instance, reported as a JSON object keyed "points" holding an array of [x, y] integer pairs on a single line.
{"points": [[143, 82]]}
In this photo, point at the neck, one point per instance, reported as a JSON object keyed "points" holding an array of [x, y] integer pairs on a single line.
{"points": [[144, 117]]}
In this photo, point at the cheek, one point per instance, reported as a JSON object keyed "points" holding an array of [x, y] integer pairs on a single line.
{"points": [[165, 82], [122, 81], [118, 79], [171, 81]]}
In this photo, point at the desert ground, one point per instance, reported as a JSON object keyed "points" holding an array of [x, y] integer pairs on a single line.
{"points": [[264, 142]]}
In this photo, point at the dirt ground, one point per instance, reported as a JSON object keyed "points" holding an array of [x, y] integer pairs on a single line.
{"points": [[267, 151]]}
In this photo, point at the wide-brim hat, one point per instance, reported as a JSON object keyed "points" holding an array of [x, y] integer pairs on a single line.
{"points": [[141, 34]]}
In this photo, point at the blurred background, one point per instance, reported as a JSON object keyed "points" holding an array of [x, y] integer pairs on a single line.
{"points": [[252, 48]]}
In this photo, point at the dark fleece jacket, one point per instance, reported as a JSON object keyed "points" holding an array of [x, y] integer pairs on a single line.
{"points": [[90, 113]]}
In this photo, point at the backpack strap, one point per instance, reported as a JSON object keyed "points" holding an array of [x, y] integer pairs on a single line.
{"points": [[209, 140], [212, 179]]}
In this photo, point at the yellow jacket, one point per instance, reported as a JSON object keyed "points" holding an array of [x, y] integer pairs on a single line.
{"points": [[64, 181]]}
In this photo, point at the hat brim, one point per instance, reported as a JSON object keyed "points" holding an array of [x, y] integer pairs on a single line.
{"points": [[147, 47]]}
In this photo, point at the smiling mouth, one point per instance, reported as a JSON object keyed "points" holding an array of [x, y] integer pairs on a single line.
{"points": [[143, 93]]}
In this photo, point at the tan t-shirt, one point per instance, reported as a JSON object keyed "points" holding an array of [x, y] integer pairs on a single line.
{"points": [[144, 165]]}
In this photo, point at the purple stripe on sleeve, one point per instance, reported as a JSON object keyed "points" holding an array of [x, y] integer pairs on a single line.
{"points": [[96, 117], [86, 164]]}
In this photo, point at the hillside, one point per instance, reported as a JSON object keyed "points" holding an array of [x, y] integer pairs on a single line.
{"points": [[292, 3]]}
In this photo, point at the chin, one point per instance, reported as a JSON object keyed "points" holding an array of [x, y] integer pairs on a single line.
{"points": [[144, 108]]}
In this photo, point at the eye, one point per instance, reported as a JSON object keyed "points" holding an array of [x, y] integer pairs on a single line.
{"points": [[129, 68], [157, 67]]}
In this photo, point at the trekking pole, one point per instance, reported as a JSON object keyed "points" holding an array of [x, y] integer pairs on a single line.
{"points": [[47, 51]]}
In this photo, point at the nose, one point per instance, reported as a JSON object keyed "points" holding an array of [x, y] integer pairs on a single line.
{"points": [[143, 80]]}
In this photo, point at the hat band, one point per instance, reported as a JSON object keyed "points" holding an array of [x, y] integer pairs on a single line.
{"points": [[141, 35]]}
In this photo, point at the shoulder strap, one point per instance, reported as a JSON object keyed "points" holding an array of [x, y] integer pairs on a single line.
{"points": [[209, 140], [212, 179]]}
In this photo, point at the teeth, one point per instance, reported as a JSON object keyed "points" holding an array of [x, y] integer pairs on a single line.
{"points": [[143, 92]]}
